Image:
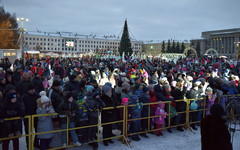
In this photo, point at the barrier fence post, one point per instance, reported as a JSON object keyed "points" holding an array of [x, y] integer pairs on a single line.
{"points": [[32, 134], [98, 125], [67, 129], [124, 123], [30, 131], [169, 116], [204, 106], [149, 118], [188, 115]]}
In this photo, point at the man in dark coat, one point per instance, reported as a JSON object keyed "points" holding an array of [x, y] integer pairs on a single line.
{"points": [[144, 98], [107, 115], [23, 84], [214, 132], [55, 95], [30, 102], [73, 85], [37, 82]]}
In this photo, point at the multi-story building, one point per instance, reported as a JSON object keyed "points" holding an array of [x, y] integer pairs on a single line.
{"points": [[72, 45], [225, 42], [155, 49]]}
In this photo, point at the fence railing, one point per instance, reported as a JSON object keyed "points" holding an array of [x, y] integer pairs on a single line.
{"points": [[124, 122]]}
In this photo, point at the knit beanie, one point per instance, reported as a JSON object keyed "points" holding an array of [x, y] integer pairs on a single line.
{"points": [[9, 87], [125, 85], [209, 89], [56, 83], [217, 110], [106, 88], [108, 84], [150, 87], [165, 87], [44, 98], [89, 88], [30, 86], [11, 96], [124, 100]]}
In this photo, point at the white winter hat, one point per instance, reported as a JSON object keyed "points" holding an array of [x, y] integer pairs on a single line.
{"points": [[44, 98]]}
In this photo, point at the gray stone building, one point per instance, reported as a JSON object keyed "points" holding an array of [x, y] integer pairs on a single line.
{"points": [[225, 42]]}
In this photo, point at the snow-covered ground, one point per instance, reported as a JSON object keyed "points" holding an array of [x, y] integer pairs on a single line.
{"points": [[169, 141]]}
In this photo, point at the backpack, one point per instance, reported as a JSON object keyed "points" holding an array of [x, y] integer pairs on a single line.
{"points": [[194, 105]]}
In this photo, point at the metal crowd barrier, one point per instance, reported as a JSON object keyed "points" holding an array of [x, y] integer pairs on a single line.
{"points": [[124, 121], [30, 129]]}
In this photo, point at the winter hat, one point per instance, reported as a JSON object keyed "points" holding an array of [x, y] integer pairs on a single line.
{"points": [[137, 78], [44, 98], [202, 80], [125, 79], [67, 94], [161, 105], [106, 88], [124, 100], [189, 78], [198, 83], [125, 85], [137, 85], [89, 88], [179, 79], [145, 89], [209, 90], [165, 87], [11, 96], [217, 110], [93, 81], [108, 84], [150, 87], [9, 87], [173, 83], [30, 86], [56, 83]]}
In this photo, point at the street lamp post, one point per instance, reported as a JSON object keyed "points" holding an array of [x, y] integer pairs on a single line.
{"points": [[22, 35]]}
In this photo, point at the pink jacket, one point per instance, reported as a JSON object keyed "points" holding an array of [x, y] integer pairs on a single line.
{"points": [[160, 120], [45, 84]]}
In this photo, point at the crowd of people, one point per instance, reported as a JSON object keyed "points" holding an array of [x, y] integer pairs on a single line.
{"points": [[78, 87]]}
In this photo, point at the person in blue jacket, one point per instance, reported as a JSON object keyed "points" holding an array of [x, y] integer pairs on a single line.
{"points": [[136, 113]]}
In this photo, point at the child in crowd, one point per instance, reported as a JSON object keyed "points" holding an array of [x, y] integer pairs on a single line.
{"points": [[210, 99], [82, 118], [160, 120], [45, 84], [135, 114], [45, 123], [167, 93]]}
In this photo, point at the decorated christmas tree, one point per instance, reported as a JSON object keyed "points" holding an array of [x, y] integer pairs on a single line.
{"points": [[125, 43]]}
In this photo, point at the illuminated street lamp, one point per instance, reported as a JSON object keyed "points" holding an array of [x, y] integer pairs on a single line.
{"points": [[22, 34]]}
